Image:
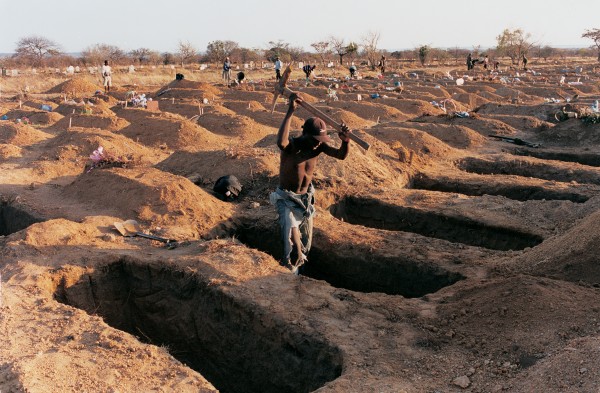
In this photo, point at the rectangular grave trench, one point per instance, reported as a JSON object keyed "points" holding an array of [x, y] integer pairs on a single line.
{"points": [[381, 215], [233, 344], [537, 170], [589, 159], [14, 218], [351, 267], [515, 191]]}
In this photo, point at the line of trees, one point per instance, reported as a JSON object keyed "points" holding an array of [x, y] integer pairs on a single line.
{"points": [[37, 51]]}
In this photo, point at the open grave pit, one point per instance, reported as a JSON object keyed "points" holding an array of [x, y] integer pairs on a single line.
{"points": [[236, 346]]}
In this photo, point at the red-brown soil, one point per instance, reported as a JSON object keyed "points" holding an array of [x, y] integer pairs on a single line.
{"points": [[444, 259]]}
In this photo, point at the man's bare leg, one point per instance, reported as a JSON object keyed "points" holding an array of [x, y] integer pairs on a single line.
{"points": [[297, 242]]}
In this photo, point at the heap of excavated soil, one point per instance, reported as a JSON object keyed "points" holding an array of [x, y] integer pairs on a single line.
{"points": [[541, 111], [572, 256], [167, 130], [470, 100], [77, 87], [36, 117], [235, 126], [475, 122], [9, 151], [411, 107], [159, 199], [202, 87], [371, 111], [77, 144], [249, 165], [455, 135], [572, 132], [99, 108], [412, 146], [105, 122], [496, 318], [20, 134]]}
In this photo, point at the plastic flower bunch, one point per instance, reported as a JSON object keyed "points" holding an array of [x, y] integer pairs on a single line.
{"points": [[98, 155]]}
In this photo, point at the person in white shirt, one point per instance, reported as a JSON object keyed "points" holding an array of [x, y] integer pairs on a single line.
{"points": [[277, 69], [106, 76]]}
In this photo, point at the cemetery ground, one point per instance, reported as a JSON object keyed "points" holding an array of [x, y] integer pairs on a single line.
{"points": [[444, 259]]}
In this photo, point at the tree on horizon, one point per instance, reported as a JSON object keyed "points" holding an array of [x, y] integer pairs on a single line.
{"points": [[36, 49], [594, 35], [514, 44]]}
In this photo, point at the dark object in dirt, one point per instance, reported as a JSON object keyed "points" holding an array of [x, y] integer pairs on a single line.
{"points": [[516, 141], [106, 163], [240, 76], [227, 187], [179, 77]]}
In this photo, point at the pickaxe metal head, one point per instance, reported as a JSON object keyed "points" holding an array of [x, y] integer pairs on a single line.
{"points": [[280, 86]]}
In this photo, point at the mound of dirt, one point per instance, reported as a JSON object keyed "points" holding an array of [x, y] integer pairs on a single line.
{"points": [[543, 112], [470, 100], [522, 122], [182, 209], [20, 134], [77, 87], [105, 122], [511, 307], [454, 135], [412, 107], [238, 106], [100, 108], [572, 132], [351, 120], [515, 94], [166, 130], [36, 117], [9, 151], [37, 104], [420, 142], [202, 87], [572, 256], [476, 123], [235, 126], [77, 144], [370, 111], [249, 165]]}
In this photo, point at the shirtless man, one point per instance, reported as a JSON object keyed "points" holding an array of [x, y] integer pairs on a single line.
{"points": [[294, 198]]}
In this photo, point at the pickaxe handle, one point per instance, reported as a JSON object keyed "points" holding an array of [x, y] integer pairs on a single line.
{"points": [[359, 141]]}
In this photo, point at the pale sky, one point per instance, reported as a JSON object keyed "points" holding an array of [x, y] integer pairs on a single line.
{"points": [[161, 25]]}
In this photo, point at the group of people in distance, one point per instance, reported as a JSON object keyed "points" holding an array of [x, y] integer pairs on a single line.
{"points": [[486, 62]]}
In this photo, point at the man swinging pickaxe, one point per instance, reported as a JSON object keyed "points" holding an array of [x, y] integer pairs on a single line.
{"points": [[282, 89]]}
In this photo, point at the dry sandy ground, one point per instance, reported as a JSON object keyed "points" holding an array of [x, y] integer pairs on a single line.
{"points": [[444, 260]]}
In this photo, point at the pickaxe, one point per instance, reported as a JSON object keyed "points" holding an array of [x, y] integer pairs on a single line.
{"points": [[282, 89]]}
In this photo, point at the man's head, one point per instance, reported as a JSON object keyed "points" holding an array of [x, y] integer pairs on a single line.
{"points": [[105, 62], [316, 128]]}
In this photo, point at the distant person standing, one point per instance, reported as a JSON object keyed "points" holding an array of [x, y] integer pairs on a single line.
{"points": [[227, 70], [486, 62], [277, 69], [469, 62], [106, 77], [382, 65], [352, 70], [524, 63], [308, 69]]}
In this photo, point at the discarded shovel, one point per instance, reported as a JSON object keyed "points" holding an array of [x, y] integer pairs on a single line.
{"points": [[131, 228]]}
